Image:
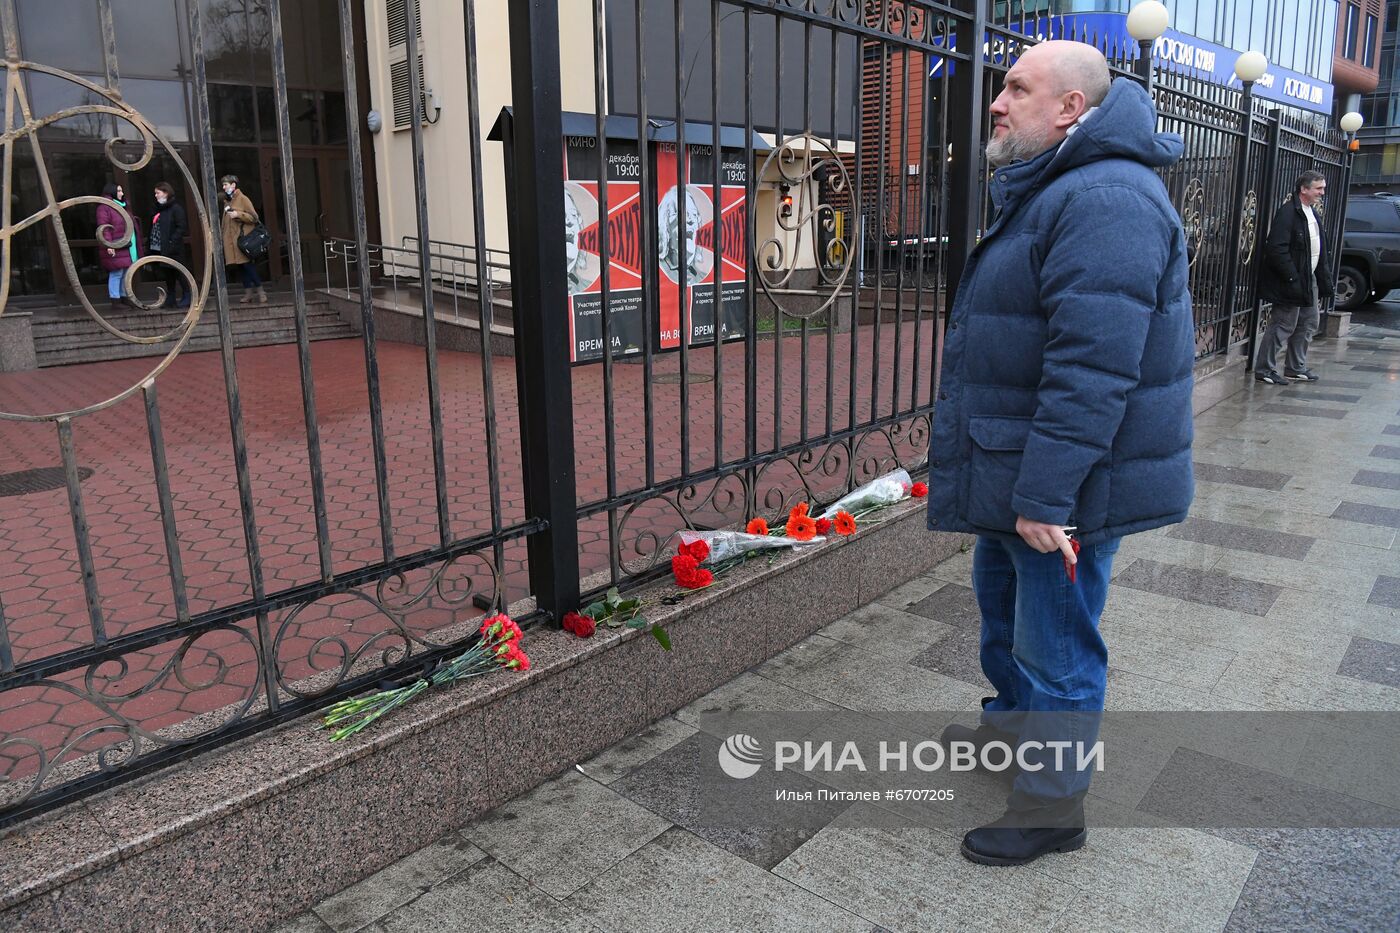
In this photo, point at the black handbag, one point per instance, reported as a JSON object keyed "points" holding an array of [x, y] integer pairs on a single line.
{"points": [[255, 243]]}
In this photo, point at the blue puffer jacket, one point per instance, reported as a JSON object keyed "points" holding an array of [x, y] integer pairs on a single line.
{"points": [[1067, 369]]}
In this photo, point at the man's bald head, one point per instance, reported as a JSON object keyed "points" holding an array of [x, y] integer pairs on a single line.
{"points": [[1051, 86], [1077, 66]]}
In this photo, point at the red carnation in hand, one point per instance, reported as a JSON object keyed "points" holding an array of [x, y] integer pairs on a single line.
{"points": [[920, 490], [823, 526], [697, 549]]}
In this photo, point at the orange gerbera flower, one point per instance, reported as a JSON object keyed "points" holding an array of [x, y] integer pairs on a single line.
{"points": [[758, 526], [798, 511], [845, 523], [801, 527]]}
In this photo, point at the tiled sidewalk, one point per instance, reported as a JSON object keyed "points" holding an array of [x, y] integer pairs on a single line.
{"points": [[1281, 592]]}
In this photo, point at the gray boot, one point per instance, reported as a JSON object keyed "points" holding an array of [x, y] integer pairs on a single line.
{"points": [[262, 296], [247, 295]]}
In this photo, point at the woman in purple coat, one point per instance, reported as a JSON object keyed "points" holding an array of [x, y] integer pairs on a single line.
{"points": [[116, 260]]}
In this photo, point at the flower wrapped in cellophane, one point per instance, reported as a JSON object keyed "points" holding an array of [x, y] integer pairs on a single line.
{"points": [[726, 546], [879, 493]]}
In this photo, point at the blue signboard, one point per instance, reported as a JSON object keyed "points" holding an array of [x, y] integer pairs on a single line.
{"points": [[1210, 61]]}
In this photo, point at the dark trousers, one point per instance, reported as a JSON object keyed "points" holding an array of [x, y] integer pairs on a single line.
{"points": [[1293, 325], [249, 272], [177, 290]]}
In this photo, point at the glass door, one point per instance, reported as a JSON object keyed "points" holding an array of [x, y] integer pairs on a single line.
{"points": [[310, 219]]}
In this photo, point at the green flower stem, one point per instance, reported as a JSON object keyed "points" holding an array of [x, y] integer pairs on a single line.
{"points": [[360, 712]]}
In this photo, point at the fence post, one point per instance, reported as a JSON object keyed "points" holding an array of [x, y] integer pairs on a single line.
{"points": [[1266, 216], [1232, 267], [1350, 157], [538, 267], [966, 179]]}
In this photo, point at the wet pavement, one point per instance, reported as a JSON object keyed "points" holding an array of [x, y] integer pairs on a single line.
{"points": [[1281, 592]]}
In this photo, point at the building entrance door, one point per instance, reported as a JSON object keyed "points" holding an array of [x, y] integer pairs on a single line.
{"points": [[323, 208]]}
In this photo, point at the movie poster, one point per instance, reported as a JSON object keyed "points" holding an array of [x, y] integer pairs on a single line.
{"points": [[687, 233], [583, 247]]}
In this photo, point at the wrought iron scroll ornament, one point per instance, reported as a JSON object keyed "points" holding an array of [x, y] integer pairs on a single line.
{"points": [[393, 600], [1249, 223], [22, 126], [1193, 218], [818, 475], [811, 169], [102, 682], [905, 19]]}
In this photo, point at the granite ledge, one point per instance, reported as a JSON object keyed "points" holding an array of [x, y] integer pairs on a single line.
{"points": [[216, 786]]}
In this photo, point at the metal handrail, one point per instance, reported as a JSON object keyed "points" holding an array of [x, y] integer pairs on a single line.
{"points": [[454, 275]]}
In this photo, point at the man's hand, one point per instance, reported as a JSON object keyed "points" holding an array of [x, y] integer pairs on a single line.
{"points": [[1046, 538]]}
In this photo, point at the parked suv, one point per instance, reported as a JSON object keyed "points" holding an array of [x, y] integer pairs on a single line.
{"points": [[1370, 265]]}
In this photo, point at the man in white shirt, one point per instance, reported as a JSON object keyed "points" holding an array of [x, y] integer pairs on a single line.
{"points": [[1294, 277]]}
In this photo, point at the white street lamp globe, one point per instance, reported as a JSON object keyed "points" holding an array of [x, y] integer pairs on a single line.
{"points": [[1350, 122], [1148, 20], [1250, 66]]}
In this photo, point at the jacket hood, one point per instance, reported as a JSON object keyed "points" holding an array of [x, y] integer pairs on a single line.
{"points": [[1124, 127]]}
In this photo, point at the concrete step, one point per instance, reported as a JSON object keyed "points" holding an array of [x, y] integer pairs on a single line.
{"points": [[197, 344], [102, 341], [77, 321], [466, 300], [91, 336], [76, 338], [250, 312]]}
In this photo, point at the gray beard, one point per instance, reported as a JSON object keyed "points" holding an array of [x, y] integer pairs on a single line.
{"points": [[1013, 148]]}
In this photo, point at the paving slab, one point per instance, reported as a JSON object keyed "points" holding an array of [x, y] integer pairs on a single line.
{"points": [[681, 884]]}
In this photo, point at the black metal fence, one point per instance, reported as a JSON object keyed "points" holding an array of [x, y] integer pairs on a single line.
{"points": [[1225, 189], [763, 329]]}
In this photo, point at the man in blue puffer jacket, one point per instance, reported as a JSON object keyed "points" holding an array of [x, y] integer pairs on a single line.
{"points": [[1065, 403]]}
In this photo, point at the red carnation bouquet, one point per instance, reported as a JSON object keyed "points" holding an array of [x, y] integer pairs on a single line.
{"points": [[497, 647]]}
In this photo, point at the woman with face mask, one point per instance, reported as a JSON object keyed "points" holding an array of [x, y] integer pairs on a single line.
{"points": [[111, 228], [168, 230], [239, 218]]}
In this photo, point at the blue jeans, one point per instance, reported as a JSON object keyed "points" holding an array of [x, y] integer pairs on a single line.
{"points": [[1042, 653], [114, 283]]}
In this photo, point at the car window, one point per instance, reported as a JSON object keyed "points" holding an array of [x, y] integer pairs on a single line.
{"points": [[1368, 215]]}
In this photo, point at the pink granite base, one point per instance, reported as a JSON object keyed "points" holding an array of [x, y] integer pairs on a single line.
{"points": [[258, 831], [1217, 379]]}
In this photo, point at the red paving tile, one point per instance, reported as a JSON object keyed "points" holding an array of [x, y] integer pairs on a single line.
{"points": [[41, 588]]}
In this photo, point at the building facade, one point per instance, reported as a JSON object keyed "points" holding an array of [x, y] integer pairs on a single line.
{"points": [[1206, 36], [1356, 55], [1377, 166], [153, 62]]}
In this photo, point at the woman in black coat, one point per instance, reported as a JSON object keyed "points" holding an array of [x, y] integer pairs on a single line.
{"points": [[169, 227]]}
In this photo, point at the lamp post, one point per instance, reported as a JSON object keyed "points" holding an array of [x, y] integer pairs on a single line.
{"points": [[1350, 123], [1146, 22], [1249, 67]]}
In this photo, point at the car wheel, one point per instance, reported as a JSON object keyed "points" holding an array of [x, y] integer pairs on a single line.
{"points": [[1352, 288], [1379, 294]]}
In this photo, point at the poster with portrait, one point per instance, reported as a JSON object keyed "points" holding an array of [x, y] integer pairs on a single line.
{"points": [[688, 230], [584, 248]]}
